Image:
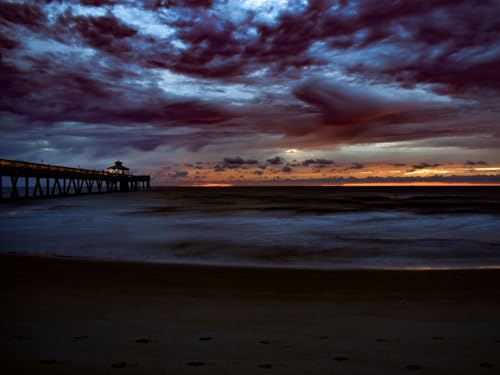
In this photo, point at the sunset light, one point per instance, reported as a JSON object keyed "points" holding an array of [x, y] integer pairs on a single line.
{"points": [[212, 185], [423, 183]]}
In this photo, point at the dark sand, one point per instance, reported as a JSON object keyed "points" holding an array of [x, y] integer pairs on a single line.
{"points": [[69, 316]]}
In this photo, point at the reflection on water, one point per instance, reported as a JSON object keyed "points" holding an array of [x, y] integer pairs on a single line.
{"points": [[305, 227]]}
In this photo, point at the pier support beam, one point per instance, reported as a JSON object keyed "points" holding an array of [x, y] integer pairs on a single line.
{"points": [[56, 183], [38, 188], [13, 192], [90, 185]]}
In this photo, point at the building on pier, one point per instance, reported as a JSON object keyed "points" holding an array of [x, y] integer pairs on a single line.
{"points": [[118, 168]]}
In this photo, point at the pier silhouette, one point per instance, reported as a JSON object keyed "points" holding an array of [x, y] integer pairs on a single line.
{"points": [[35, 180]]}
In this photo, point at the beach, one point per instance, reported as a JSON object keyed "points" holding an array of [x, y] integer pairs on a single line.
{"points": [[72, 316]]}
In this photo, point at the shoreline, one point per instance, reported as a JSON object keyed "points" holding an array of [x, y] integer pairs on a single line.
{"points": [[244, 266], [74, 267]]}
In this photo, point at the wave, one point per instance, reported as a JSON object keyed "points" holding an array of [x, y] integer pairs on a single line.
{"points": [[266, 229]]}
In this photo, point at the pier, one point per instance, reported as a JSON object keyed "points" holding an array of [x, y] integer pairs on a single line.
{"points": [[34, 180]]}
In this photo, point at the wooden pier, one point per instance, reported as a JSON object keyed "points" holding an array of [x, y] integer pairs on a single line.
{"points": [[33, 180]]}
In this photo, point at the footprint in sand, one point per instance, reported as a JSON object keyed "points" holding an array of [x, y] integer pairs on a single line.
{"points": [[80, 337], [21, 337], [438, 338], [485, 365], [323, 337], [119, 365], [205, 338], [267, 366], [196, 364], [50, 362], [385, 340], [340, 358], [414, 367], [265, 342], [143, 341]]}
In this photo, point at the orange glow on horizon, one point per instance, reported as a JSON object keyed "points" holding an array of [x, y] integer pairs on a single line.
{"points": [[417, 184], [206, 175], [209, 184]]}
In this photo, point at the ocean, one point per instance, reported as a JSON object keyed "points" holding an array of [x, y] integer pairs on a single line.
{"points": [[300, 227]]}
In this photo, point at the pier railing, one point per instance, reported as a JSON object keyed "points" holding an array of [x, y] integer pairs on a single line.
{"points": [[55, 181]]}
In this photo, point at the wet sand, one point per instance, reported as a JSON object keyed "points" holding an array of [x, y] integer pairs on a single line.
{"points": [[70, 316]]}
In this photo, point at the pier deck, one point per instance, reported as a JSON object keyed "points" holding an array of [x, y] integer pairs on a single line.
{"points": [[33, 180]]}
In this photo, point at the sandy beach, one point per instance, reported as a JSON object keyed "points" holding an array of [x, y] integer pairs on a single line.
{"points": [[71, 316]]}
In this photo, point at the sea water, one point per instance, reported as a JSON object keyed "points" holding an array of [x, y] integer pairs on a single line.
{"points": [[384, 228]]}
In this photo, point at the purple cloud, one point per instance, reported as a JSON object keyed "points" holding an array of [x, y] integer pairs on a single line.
{"points": [[206, 76]]}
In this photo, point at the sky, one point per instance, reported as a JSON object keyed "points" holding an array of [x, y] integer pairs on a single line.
{"points": [[255, 92]]}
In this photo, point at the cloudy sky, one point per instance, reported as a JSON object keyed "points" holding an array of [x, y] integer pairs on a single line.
{"points": [[255, 91]]}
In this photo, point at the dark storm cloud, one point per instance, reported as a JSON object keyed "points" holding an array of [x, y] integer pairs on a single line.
{"points": [[29, 15], [213, 50], [347, 113], [435, 53], [62, 91], [425, 165], [70, 87], [275, 161], [219, 168], [357, 166], [479, 162], [178, 174], [89, 63], [105, 33], [341, 113], [445, 42], [6, 43], [340, 104], [155, 4], [287, 169], [236, 162], [98, 3], [318, 162]]}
